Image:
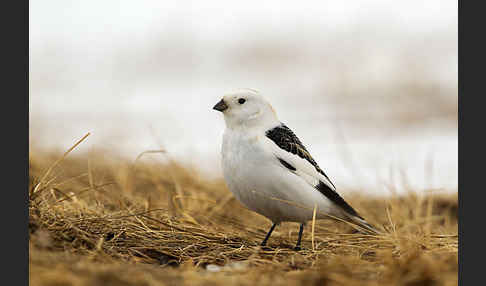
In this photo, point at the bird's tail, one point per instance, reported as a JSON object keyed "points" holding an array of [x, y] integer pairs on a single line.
{"points": [[364, 225]]}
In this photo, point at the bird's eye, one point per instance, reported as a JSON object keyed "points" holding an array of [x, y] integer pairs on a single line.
{"points": [[241, 100]]}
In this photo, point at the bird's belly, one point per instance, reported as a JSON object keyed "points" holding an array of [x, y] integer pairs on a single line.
{"points": [[274, 192]]}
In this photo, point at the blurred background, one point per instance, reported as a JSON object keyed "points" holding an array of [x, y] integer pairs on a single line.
{"points": [[370, 87]]}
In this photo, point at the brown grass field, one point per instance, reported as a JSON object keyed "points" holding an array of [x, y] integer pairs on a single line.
{"points": [[98, 219]]}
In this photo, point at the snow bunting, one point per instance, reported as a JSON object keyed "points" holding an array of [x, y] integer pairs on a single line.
{"points": [[270, 171]]}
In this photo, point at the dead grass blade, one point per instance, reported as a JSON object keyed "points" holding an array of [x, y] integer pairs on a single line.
{"points": [[39, 184]]}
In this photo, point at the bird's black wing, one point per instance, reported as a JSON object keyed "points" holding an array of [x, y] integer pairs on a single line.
{"points": [[288, 141]]}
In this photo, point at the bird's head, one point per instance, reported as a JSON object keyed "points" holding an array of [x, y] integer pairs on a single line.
{"points": [[246, 108]]}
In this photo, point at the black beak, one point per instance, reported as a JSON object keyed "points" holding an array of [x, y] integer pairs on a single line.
{"points": [[221, 106]]}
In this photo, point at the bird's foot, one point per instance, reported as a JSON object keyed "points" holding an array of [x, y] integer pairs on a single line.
{"points": [[297, 248]]}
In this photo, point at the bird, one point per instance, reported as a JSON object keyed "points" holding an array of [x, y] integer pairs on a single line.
{"points": [[270, 171]]}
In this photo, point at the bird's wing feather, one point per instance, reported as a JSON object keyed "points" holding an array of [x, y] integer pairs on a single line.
{"points": [[286, 140], [287, 148]]}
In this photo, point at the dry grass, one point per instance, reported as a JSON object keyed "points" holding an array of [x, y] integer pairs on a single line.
{"points": [[100, 220]]}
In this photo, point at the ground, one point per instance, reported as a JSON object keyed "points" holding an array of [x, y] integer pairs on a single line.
{"points": [[97, 219]]}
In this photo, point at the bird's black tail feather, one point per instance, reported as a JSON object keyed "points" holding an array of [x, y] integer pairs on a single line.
{"points": [[364, 225]]}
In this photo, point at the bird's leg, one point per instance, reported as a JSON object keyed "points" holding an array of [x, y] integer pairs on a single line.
{"points": [[301, 230], [268, 234]]}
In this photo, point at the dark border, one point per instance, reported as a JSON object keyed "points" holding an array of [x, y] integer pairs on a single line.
{"points": [[460, 130], [471, 144], [14, 20]]}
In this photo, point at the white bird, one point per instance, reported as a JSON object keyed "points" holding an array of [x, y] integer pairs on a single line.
{"points": [[269, 170]]}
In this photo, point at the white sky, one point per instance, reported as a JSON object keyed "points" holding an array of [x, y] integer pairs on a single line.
{"points": [[108, 20]]}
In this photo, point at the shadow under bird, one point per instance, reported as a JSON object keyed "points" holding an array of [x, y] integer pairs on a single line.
{"points": [[270, 171]]}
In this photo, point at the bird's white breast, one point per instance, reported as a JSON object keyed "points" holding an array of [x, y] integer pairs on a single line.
{"points": [[242, 156]]}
